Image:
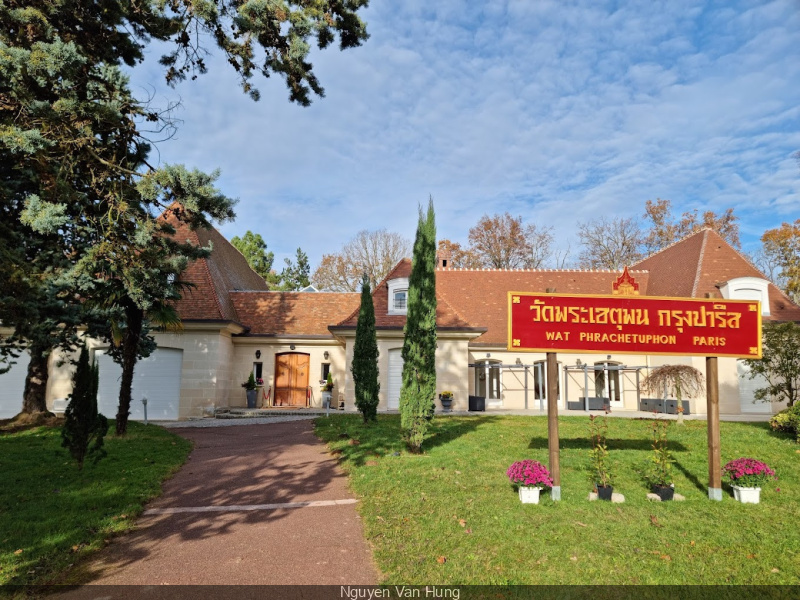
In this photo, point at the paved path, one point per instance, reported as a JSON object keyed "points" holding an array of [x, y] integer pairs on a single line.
{"points": [[254, 504]]}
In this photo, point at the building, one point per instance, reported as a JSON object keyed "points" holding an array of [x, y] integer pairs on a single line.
{"points": [[292, 340]]}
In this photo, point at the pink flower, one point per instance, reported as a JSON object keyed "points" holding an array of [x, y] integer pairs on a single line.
{"points": [[529, 473]]}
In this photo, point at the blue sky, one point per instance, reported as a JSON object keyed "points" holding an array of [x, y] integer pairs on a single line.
{"points": [[559, 111]]}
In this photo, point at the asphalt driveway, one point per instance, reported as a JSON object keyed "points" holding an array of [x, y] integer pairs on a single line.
{"points": [[254, 505]]}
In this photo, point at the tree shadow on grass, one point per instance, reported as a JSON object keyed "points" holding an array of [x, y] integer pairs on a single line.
{"points": [[356, 442], [540, 443]]}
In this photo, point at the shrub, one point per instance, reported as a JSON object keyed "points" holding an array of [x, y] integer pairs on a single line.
{"points": [[82, 423], [659, 472], [787, 421], [599, 470]]}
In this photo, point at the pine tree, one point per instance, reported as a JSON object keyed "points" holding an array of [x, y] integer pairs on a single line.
{"points": [[83, 425], [365, 357], [419, 344]]}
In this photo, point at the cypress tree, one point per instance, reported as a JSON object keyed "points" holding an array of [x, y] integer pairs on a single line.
{"points": [[83, 425], [365, 357], [419, 343]]}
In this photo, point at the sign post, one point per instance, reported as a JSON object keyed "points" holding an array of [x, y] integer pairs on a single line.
{"points": [[712, 418], [552, 424]]}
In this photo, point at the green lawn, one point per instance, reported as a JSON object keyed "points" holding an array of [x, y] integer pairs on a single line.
{"points": [[450, 516], [52, 514]]}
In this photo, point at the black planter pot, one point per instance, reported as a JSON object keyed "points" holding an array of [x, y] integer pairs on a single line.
{"points": [[447, 403], [604, 492], [665, 492]]}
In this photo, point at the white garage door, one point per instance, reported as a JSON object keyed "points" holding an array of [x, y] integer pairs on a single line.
{"points": [[12, 386], [395, 378], [157, 378], [747, 391]]}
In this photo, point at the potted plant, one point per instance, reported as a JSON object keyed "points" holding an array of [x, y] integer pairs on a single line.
{"points": [[530, 476], [446, 398], [746, 476], [599, 470], [659, 471], [251, 389], [327, 391]]}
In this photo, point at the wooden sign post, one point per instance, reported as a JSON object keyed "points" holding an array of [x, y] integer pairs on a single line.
{"points": [[552, 425], [712, 419]]}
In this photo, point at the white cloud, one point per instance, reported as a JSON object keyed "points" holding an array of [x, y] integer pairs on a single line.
{"points": [[556, 111]]}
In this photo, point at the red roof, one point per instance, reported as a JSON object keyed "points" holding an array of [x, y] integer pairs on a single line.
{"points": [[697, 265], [293, 314]]}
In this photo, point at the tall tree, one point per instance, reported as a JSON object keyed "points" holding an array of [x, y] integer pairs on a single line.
{"points": [[506, 242], [779, 364], [72, 154], [254, 249], [365, 357], [781, 246], [419, 343], [372, 252], [295, 274], [665, 229], [609, 244]]}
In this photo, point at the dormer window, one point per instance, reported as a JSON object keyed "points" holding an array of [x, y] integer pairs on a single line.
{"points": [[399, 300], [398, 296], [748, 288]]}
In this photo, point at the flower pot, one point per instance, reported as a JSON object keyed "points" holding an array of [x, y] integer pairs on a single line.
{"points": [[529, 494], [604, 492], [747, 495], [447, 403], [252, 396], [326, 399], [665, 492]]}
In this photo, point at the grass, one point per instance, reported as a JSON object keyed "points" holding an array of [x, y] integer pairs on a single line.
{"points": [[450, 516], [52, 514]]}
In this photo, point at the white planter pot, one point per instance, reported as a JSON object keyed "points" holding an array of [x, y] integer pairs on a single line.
{"points": [[747, 495], [529, 495]]}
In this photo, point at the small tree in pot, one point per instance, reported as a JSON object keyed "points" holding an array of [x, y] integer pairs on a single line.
{"points": [[599, 470], [251, 387], [659, 471]]}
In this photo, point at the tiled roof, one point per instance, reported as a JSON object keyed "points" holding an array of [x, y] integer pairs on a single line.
{"points": [[213, 277], [697, 265], [446, 316], [481, 296], [293, 313]]}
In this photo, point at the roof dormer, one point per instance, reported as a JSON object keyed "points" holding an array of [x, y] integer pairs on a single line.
{"points": [[747, 288], [398, 296]]}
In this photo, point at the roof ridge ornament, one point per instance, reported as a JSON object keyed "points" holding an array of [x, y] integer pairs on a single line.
{"points": [[625, 285]]}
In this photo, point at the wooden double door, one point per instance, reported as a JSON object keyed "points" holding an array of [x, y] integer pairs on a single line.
{"points": [[291, 379]]}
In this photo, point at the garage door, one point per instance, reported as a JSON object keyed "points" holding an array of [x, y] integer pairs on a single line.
{"points": [[395, 378], [12, 386], [157, 378], [747, 391]]}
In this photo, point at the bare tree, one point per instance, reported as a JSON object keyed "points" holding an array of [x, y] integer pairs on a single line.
{"points": [[609, 244], [665, 229], [372, 252], [680, 380], [506, 242]]}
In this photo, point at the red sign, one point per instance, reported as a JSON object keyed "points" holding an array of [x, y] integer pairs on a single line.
{"points": [[633, 325]]}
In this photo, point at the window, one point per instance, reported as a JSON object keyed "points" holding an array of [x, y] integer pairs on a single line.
{"points": [[606, 381], [258, 372], [489, 380], [398, 296], [399, 300], [540, 381], [748, 288], [326, 368]]}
